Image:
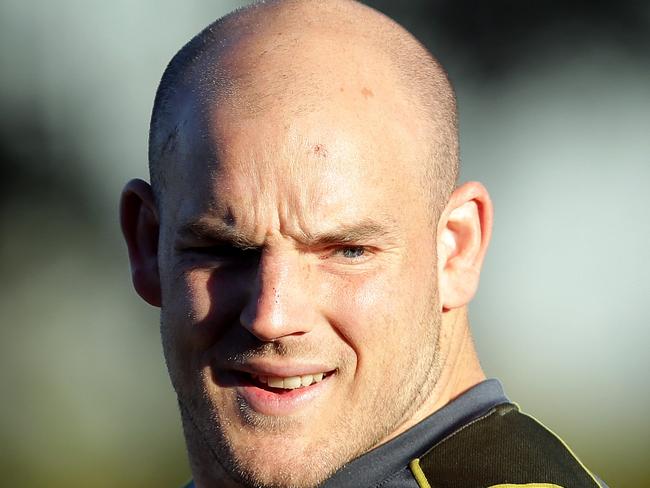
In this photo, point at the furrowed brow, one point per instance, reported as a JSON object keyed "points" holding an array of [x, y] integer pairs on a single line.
{"points": [[214, 231], [349, 234]]}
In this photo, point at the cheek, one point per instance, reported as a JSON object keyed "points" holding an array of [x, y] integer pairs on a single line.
{"points": [[382, 314], [364, 312], [201, 305]]}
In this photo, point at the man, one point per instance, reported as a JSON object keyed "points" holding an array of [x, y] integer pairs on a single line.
{"points": [[313, 261]]}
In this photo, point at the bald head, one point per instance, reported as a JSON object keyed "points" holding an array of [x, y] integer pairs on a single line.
{"points": [[297, 56], [300, 152]]}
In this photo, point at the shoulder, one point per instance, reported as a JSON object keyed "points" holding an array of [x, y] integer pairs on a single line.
{"points": [[504, 447]]}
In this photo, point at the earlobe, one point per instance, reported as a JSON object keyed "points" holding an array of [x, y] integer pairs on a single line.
{"points": [[464, 231], [140, 227]]}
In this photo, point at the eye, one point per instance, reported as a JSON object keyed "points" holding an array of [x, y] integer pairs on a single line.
{"points": [[352, 252], [225, 252]]}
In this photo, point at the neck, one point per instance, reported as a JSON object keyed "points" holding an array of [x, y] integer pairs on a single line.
{"points": [[462, 369]]}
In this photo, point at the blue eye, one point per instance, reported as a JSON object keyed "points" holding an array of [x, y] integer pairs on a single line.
{"points": [[352, 252]]}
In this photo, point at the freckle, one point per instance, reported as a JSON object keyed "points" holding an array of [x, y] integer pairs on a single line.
{"points": [[367, 92], [320, 150], [341, 89]]}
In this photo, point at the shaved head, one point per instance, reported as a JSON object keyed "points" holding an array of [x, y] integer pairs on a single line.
{"points": [[288, 55], [304, 241]]}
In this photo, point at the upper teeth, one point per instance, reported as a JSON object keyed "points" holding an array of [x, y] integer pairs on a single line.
{"points": [[290, 382]]}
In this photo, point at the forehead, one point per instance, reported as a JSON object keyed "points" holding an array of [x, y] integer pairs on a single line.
{"points": [[291, 124], [317, 160]]}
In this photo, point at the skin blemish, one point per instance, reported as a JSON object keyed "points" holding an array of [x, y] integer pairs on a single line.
{"points": [[367, 92], [319, 150]]}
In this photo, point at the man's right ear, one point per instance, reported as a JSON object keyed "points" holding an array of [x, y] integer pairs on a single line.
{"points": [[140, 226]]}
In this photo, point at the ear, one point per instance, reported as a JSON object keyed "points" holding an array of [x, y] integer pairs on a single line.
{"points": [[140, 226], [464, 231]]}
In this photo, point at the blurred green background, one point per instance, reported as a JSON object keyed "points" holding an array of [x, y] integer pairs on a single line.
{"points": [[555, 119]]}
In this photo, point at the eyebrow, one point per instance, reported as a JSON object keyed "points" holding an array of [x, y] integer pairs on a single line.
{"points": [[215, 230], [365, 230]]}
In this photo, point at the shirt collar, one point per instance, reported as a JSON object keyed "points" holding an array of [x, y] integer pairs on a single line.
{"points": [[384, 461]]}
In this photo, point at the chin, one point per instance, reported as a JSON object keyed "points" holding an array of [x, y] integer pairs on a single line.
{"points": [[284, 459], [299, 475], [261, 452], [281, 463]]}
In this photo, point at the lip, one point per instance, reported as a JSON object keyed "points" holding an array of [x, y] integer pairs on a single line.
{"points": [[276, 401], [282, 370]]}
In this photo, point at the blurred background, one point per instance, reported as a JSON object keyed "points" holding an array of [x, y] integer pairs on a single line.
{"points": [[554, 103]]}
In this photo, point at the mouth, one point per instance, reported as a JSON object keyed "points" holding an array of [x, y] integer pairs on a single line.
{"points": [[282, 395], [288, 382]]}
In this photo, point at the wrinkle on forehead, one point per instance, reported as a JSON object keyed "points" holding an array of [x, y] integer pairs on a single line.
{"points": [[285, 186], [292, 169], [296, 57], [296, 167], [285, 130]]}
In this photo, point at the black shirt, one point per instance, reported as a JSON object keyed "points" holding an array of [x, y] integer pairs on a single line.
{"points": [[387, 465]]}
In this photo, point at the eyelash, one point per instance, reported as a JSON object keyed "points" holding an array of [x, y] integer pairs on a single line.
{"points": [[343, 250]]}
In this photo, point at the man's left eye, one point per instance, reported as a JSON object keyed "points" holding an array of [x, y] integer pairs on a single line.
{"points": [[351, 252]]}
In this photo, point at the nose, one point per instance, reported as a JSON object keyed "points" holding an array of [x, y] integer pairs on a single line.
{"points": [[278, 304]]}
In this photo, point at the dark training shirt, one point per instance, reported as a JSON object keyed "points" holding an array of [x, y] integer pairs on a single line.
{"points": [[387, 466]]}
